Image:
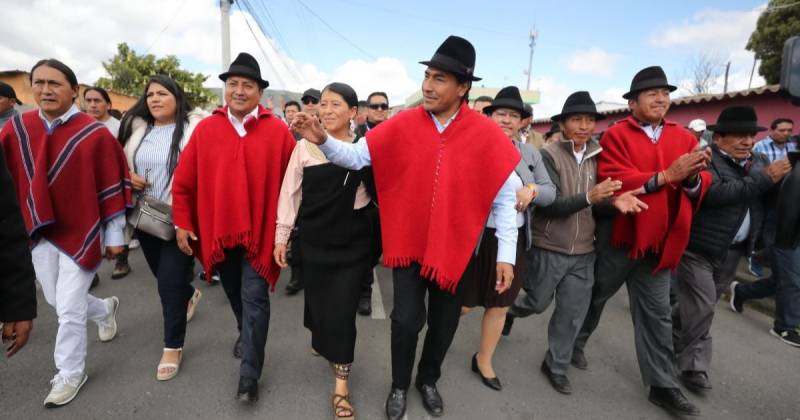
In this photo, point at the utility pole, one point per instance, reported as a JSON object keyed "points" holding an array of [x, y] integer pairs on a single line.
{"points": [[225, 10], [727, 70], [533, 35]]}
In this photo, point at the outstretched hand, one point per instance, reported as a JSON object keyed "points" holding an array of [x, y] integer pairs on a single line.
{"points": [[627, 203], [309, 127]]}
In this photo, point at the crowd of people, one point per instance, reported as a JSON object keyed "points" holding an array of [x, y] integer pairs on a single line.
{"points": [[468, 206]]}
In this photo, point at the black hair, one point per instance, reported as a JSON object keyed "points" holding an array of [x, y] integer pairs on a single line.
{"points": [[371, 95], [99, 90], [345, 91], [141, 110], [461, 79], [779, 121], [290, 103], [362, 104], [61, 67]]}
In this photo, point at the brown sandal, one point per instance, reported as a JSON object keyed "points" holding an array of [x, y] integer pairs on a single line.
{"points": [[341, 411]]}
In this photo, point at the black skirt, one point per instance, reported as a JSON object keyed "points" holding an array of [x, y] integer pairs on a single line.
{"points": [[333, 276], [480, 276]]}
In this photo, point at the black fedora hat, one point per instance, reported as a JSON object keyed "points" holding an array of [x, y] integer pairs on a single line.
{"points": [[7, 91], [508, 97], [737, 119], [579, 102], [648, 78], [245, 65], [456, 55]]}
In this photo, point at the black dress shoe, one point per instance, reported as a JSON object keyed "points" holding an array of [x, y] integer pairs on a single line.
{"points": [[493, 383], [508, 324], [695, 380], [431, 399], [672, 399], [559, 382], [396, 404], [237, 348], [579, 360], [295, 285], [365, 305], [248, 390]]}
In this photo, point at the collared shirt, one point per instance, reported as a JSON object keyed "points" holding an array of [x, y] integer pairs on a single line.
{"points": [[112, 234], [744, 228], [356, 156], [579, 159], [51, 125], [653, 133], [772, 150], [239, 125]]}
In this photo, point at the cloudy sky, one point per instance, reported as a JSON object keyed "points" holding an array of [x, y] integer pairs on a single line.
{"points": [[375, 45]]}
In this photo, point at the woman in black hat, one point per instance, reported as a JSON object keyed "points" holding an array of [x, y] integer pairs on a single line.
{"points": [[336, 242], [534, 188]]}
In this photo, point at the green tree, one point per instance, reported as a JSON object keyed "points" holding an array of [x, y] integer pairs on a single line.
{"points": [[129, 72], [779, 22]]}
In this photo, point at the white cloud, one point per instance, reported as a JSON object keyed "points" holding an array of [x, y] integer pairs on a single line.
{"points": [[554, 92], [720, 34], [594, 61], [83, 34], [720, 30], [553, 95]]}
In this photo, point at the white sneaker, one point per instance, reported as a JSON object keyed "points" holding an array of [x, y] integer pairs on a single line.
{"points": [[63, 390], [134, 244], [107, 328]]}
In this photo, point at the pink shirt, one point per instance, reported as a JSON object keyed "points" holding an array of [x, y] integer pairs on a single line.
{"points": [[304, 155]]}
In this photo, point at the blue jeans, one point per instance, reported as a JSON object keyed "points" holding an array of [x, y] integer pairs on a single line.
{"points": [[248, 294], [786, 268]]}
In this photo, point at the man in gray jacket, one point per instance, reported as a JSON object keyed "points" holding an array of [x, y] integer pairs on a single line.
{"points": [[562, 261]]}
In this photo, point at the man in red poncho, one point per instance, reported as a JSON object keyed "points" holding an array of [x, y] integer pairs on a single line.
{"points": [[225, 201], [662, 161], [439, 170], [71, 181]]}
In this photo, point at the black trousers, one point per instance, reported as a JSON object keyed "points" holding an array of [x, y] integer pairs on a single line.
{"points": [[248, 294], [171, 268], [408, 318]]}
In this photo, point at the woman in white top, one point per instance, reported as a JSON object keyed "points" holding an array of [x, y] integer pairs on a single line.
{"points": [[154, 132]]}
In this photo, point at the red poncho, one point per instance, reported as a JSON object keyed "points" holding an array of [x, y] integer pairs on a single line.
{"points": [[435, 190], [631, 157], [226, 188], [69, 183]]}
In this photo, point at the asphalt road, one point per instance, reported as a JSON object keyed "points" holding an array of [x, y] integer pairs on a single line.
{"points": [[754, 375]]}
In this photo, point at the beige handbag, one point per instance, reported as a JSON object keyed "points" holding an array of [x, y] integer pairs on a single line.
{"points": [[154, 217]]}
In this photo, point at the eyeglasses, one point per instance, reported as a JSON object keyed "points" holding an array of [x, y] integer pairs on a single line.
{"points": [[382, 107], [309, 100]]}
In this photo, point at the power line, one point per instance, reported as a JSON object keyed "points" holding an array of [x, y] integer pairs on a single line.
{"points": [[352, 44], [174, 15], [395, 12], [252, 10], [261, 47]]}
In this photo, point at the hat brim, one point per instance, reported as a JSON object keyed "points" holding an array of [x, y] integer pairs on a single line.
{"points": [[17, 101], [244, 73], [449, 68], [649, 85], [508, 105], [563, 116], [727, 128]]}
